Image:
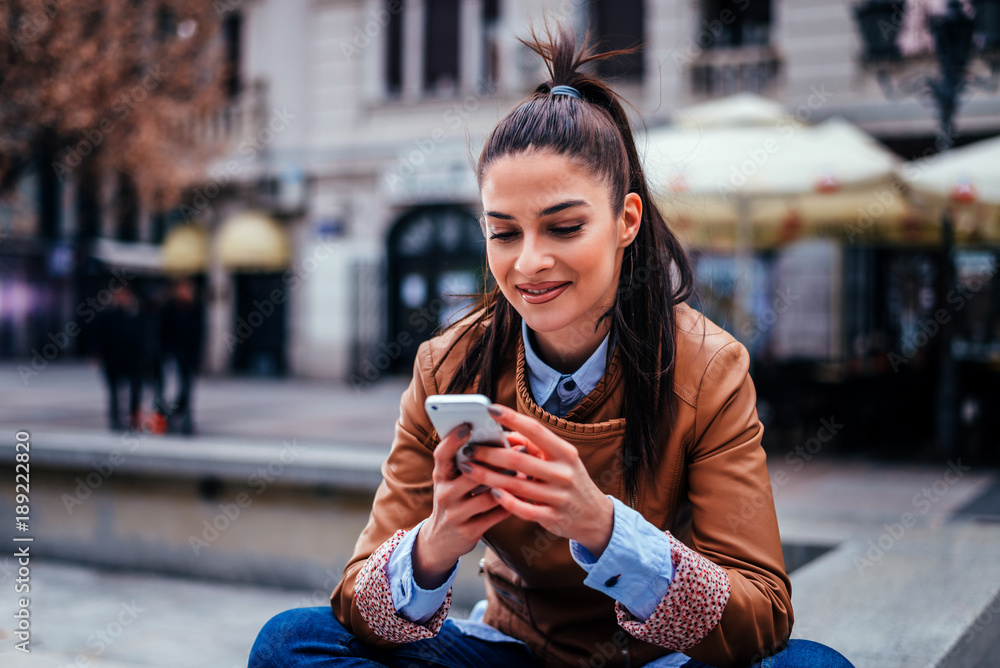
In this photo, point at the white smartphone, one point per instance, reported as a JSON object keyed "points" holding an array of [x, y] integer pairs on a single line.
{"points": [[447, 411]]}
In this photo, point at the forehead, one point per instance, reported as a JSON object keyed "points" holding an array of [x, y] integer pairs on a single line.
{"points": [[534, 180]]}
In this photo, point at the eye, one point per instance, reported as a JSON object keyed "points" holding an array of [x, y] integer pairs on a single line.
{"points": [[567, 230], [503, 236]]}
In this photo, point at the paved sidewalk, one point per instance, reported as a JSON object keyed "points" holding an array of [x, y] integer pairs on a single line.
{"points": [[71, 396], [87, 617]]}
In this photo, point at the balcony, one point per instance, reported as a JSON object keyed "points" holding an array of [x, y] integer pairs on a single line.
{"points": [[720, 72], [242, 118]]}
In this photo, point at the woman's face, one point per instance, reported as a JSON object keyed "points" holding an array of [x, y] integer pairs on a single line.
{"points": [[555, 248]]}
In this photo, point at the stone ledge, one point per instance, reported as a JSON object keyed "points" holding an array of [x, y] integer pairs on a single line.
{"points": [[928, 596], [294, 462]]}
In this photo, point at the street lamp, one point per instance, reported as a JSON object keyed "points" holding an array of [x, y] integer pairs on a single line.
{"points": [[958, 37]]}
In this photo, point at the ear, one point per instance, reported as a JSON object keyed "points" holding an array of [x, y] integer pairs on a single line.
{"points": [[630, 220]]}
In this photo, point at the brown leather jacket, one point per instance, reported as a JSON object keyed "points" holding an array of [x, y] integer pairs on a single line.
{"points": [[730, 600]]}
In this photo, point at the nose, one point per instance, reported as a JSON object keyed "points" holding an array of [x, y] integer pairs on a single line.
{"points": [[534, 257]]}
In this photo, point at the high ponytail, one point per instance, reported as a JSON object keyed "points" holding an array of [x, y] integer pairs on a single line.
{"points": [[594, 132]]}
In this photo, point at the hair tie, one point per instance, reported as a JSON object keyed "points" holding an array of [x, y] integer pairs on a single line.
{"points": [[566, 90]]}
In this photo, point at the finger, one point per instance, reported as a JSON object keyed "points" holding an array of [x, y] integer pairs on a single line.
{"points": [[523, 488], [454, 491], [486, 521], [550, 444], [510, 459], [444, 453], [471, 506], [522, 509], [523, 444]]}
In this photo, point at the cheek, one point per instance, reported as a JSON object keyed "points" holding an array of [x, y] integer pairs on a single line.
{"points": [[492, 261], [597, 261], [498, 263]]}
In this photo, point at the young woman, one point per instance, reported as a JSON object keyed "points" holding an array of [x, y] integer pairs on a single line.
{"points": [[640, 529]]}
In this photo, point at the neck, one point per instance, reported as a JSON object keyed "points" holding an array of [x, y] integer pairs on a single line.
{"points": [[566, 351]]}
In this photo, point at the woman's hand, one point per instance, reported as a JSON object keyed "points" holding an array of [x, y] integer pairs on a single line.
{"points": [[555, 490], [458, 519]]}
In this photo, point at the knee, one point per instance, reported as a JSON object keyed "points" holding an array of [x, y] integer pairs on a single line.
{"points": [[271, 638], [277, 638], [808, 653], [295, 632]]}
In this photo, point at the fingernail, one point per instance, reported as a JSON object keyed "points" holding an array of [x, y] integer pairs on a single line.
{"points": [[495, 410], [495, 492], [464, 431], [469, 450], [465, 467]]}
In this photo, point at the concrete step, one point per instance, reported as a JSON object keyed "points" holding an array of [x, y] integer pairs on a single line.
{"points": [[353, 467], [884, 590], [906, 596]]}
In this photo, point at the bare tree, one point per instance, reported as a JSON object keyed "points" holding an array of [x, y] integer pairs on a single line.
{"points": [[108, 88]]}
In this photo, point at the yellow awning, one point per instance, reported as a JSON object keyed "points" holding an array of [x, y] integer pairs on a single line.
{"points": [[185, 250], [252, 241]]}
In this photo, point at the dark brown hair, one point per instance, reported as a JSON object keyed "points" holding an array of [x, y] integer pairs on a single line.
{"points": [[656, 272]]}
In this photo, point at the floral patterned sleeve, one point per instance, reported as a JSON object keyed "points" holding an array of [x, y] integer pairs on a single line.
{"points": [[692, 606], [373, 596]]}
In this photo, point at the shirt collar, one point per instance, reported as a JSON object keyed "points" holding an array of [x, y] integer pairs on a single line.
{"points": [[544, 380]]}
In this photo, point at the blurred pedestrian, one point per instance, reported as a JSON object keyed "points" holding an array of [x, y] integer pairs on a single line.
{"points": [[153, 357], [182, 339], [120, 331]]}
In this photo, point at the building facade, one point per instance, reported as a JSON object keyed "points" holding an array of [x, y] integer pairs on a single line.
{"points": [[357, 123]]}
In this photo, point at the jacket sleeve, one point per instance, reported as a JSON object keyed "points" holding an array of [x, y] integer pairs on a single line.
{"points": [[729, 603], [362, 601]]}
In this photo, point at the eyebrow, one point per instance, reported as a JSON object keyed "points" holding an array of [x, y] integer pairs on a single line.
{"points": [[555, 208]]}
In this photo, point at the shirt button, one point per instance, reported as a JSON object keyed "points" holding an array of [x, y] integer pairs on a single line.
{"points": [[612, 581], [569, 385]]}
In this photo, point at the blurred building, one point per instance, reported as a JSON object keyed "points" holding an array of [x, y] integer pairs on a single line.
{"points": [[340, 229]]}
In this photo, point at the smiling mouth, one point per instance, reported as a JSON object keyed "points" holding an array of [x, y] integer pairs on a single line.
{"points": [[542, 292], [542, 288]]}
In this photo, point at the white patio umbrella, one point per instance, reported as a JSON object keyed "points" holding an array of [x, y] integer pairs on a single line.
{"points": [[750, 176], [724, 184], [967, 181]]}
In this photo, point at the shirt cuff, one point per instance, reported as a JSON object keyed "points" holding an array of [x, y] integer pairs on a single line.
{"points": [[635, 569], [412, 602]]}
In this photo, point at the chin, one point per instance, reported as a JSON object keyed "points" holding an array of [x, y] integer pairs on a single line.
{"points": [[543, 325]]}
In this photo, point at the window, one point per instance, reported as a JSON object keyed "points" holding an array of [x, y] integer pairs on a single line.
{"points": [[232, 28], [491, 41], [736, 53], [394, 54], [736, 23], [440, 45], [427, 52], [618, 24]]}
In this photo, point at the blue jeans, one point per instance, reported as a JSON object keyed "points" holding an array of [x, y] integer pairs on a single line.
{"points": [[312, 637]]}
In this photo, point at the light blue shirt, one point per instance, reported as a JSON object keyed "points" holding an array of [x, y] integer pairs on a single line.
{"points": [[635, 568], [558, 393]]}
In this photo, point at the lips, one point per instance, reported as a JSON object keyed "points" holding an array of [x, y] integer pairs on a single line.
{"points": [[539, 293]]}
